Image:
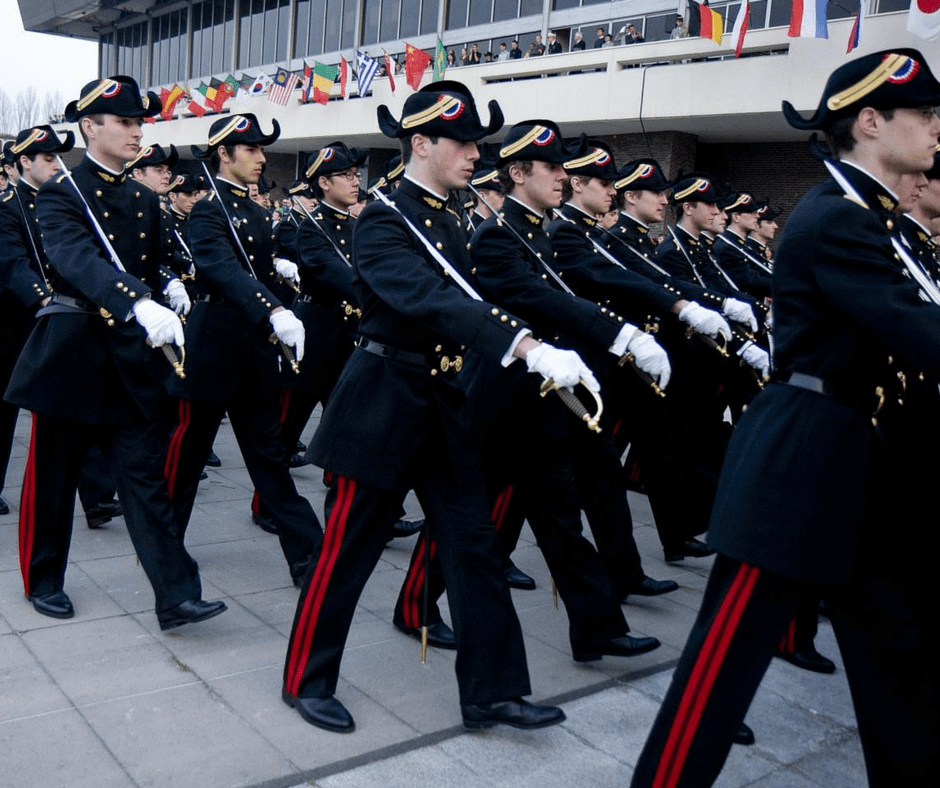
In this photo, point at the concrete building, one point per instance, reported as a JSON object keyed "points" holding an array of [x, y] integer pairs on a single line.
{"points": [[687, 102]]}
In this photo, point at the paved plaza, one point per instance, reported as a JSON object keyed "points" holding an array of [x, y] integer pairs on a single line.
{"points": [[106, 700]]}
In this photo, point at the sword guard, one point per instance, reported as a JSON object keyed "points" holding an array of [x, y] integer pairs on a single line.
{"points": [[177, 362], [574, 404]]}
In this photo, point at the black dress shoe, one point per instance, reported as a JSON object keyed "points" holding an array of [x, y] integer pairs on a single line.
{"points": [[203, 476], [296, 461], [55, 605], [266, 524], [102, 513], [743, 735], [189, 612], [649, 587], [690, 548], [624, 646], [213, 460], [810, 659], [516, 712], [298, 571], [516, 578], [4, 507], [439, 635], [326, 713], [404, 528]]}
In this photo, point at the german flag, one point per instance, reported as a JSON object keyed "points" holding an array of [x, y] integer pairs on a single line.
{"points": [[704, 22]]}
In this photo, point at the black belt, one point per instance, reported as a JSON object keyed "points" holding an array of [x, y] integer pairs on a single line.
{"points": [[344, 308], [444, 363], [210, 298], [808, 382]]}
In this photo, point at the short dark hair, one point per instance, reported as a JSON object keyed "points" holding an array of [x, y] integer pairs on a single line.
{"points": [[506, 183], [839, 136], [406, 147], [97, 119], [19, 164]]}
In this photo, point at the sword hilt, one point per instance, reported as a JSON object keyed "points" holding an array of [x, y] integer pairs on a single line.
{"points": [[177, 362], [574, 404], [629, 358], [721, 348], [288, 353]]}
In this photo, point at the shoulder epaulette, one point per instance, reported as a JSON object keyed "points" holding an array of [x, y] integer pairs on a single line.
{"points": [[9, 197], [61, 178]]}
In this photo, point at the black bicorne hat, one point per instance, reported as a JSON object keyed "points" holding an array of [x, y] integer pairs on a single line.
{"points": [[441, 109], [152, 156], [882, 80], [113, 96], [335, 157], [394, 169], [539, 140], [596, 162], [263, 186], [694, 187], [485, 175], [37, 139], [642, 175], [236, 130], [185, 182], [766, 212], [739, 202], [298, 189]]}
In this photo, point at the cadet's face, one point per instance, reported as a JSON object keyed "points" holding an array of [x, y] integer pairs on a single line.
{"points": [[767, 230], [42, 168], [183, 202], [929, 202], [495, 199], [156, 177], [243, 163], [116, 140], [597, 195], [719, 223], [747, 221], [542, 187], [451, 162], [649, 206], [909, 190], [702, 215], [343, 188], [910, 139]]}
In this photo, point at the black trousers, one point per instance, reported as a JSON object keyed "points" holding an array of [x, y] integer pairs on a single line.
{"points": [[744, 613], [57, 452], [254, 421], [491, 662]]}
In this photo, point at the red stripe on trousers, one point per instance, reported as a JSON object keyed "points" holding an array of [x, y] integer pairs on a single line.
{"points": [[300, 646], [175, 448], [703, 677], [414, 583], [788, 642], [28, 509], [501, 506], [285, 407]]}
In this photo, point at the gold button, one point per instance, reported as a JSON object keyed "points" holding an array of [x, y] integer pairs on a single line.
{"points": [[111, 322], [234, 204], [427, 223], [132, 294], [140, 216], [251, 258], [251, 240], [137, 194], [529, 236], [106, 214], [889, 224], [513, 323], [495, 312], [258, 294], [98, 193], [503, 319], [110, 236], [143, 257], [119, 285], [438, 349], [468, 247], [433, 372], [439, 245], [143, 235], [473, 270], [342, 241]]}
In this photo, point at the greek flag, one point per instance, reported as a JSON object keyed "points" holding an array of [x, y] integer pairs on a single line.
{"points": [[368, 68]]}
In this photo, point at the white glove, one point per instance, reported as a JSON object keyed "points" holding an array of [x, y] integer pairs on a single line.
{"points": [[176, 294], [565, 367], [161, 325], [755, 357], [649, 356], [705, 321], [287, 270], [289, 330], [740, 312]]}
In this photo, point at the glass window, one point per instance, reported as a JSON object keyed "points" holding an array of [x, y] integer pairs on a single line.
{"points": [[429, 10], [659, 26], [457, 14], [331, 27], [388, 29], [780, 13], [886, 6], [758, 15], [349, 25], [505, 9], [269, 49], [410, 18], [530, 7], [481, 11], [105, 55], [315, 41], [558, 5], [370, 21], [302, 28]]}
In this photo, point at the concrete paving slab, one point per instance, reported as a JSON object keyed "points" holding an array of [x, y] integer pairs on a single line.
{"points": [[244, 566], [123, 580], [420, 767], [838, 766], [27, 689], [58, 749], [275, 607]]}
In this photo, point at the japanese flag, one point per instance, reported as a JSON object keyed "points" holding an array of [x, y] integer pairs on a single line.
{"points": [[924, 18]]}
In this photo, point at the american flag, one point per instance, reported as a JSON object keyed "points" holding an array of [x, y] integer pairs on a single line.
{"points": [[368, 68], [284, 82]]}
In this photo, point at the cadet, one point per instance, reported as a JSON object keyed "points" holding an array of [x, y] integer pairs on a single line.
{"points": [[748, 271], [87, 373]]}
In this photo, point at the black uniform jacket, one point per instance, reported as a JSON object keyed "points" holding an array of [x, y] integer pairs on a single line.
{"points": [[797, 478], [327, 303], [229, 327], [87, 358], [731, 251], [180, 254], [917, 238], [21, 279], [387, 417], [593, 276]]}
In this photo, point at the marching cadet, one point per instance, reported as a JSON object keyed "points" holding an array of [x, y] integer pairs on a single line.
{"points": [[692, 412], [748, 271], [152, 167], [87, 373], [486, 182], [234, 365], [820, 461], [181, 197], [10, 173], [915, 224], [759, 239], [397, 420], [302, 202]]}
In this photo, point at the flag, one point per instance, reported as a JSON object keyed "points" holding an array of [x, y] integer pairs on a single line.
{"points": [[306, 83], [389, 71], [416, 61], [231, 86], [740, 26], [924, 18], [368, 68], [440, 62], [260, 85], [706, 23], [856, 35], [343, 75], [168, 101], [219, 93], [808, 19], [284, 82], [197, 101], [323, 78]]}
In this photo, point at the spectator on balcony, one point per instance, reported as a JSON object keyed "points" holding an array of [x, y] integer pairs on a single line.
{"points": [[515, 53], [608, 41], [503, 53], [464, 57], [579, 44], [474, 55], [680, 30], [538, 48], [554, 45], [601, 38], [630, 35], [451, 59]]}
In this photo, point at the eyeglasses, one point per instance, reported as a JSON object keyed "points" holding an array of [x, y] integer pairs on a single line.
{"points": [[349, 175]]}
